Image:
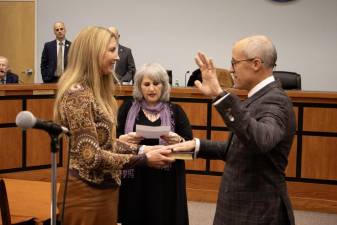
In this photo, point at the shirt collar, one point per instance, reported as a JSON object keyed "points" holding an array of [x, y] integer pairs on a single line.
{"points": [[58, 42], [261, 85]]}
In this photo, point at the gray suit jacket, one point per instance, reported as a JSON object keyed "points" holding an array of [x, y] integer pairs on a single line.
{"points": [[125, 67], [253, 188]]}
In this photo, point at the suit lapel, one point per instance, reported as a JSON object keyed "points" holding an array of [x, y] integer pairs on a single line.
{"points": [[67, 45], [54, 49]]}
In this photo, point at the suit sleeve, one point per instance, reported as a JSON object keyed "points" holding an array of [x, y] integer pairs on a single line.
{"points": [[44, 64], [131, 70], [213, 149], [12, 78], [263, 131]]}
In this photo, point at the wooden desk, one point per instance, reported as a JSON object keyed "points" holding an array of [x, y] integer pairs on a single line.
{"points": [[28, 200], [311, 173]]}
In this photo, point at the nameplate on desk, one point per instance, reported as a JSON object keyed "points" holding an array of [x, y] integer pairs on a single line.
{"points": [[44, 92]]}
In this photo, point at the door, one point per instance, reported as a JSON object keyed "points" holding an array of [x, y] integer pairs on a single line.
{"points": [[17, 37]]}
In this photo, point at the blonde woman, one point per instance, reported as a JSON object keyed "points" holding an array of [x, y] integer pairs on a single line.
{"points": [[85, 105]]}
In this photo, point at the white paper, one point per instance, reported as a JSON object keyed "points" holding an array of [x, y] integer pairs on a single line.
{"points": [[152, 132]]}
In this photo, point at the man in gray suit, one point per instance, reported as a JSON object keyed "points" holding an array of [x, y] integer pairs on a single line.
{"points": [[253, 188], [125, 67]]}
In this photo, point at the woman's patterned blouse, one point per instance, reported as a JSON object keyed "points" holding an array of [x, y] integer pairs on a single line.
{"points": [[94, 156]]}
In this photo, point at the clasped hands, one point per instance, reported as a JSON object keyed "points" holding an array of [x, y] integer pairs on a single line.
{"points": [[157, 156], [132, 138]]}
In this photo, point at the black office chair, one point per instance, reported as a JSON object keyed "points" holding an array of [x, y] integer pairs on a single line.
{"points": [[289, 80]]}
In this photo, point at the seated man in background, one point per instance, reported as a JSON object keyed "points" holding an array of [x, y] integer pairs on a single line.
{"points": [[125, 67], [6, 76], [54, 55], [196, 75]]}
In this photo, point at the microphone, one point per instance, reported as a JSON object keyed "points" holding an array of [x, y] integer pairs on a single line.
{"points": [[187, 72], [26, 119]]}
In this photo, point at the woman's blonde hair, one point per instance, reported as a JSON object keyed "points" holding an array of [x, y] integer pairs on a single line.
{"points": [[85, 60]]}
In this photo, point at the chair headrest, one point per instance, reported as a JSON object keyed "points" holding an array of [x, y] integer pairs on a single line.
{"points": [[289, 80]]}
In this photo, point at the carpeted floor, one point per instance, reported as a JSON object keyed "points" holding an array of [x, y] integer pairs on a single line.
{"points": [[201, 213]]}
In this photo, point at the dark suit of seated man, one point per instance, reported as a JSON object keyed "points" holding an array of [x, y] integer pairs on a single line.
{"points": [[125, 67], [7, 77], [51, 67]]}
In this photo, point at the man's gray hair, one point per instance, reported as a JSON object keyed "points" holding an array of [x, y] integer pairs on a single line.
{"points": [[260, 46]]}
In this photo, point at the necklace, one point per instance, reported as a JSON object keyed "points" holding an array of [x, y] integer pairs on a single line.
{"points": [[150, 116]]}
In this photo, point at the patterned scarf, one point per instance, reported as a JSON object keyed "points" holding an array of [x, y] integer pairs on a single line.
{"points": [[165, 116], [162, 107]]}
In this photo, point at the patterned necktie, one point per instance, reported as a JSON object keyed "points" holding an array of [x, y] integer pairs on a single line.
{"points": [[59, 68]]}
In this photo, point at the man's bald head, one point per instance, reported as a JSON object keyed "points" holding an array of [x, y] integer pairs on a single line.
{"points": [[114, 30]]}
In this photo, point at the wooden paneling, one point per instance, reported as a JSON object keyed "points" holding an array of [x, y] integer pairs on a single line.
{"points": [[197, 164], [9, 109], [220, 135], [201, 134], [202, 182], [320, 119], [197, 113], [218, 165], [41, 108], [11, 155], [296, 116], [202, 187], [319, 157], [216, 119], [313, 197], [38, 148], [291, 168], [38, 141]]}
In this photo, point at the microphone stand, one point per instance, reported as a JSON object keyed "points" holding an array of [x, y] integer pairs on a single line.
{"points": [[55, 147], [187, 72]]}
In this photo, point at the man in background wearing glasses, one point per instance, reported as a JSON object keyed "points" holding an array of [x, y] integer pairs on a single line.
{"points": [[253, 189], [54, 55]]}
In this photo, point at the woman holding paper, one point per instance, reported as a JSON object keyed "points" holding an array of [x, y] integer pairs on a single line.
{"points": [[153, 196]]}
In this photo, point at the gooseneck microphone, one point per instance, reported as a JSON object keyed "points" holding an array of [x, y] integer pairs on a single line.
{"points": [[26, 119], [187, 72]]}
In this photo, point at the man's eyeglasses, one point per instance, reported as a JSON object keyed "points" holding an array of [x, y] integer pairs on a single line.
{"points": [[234, 61]]}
